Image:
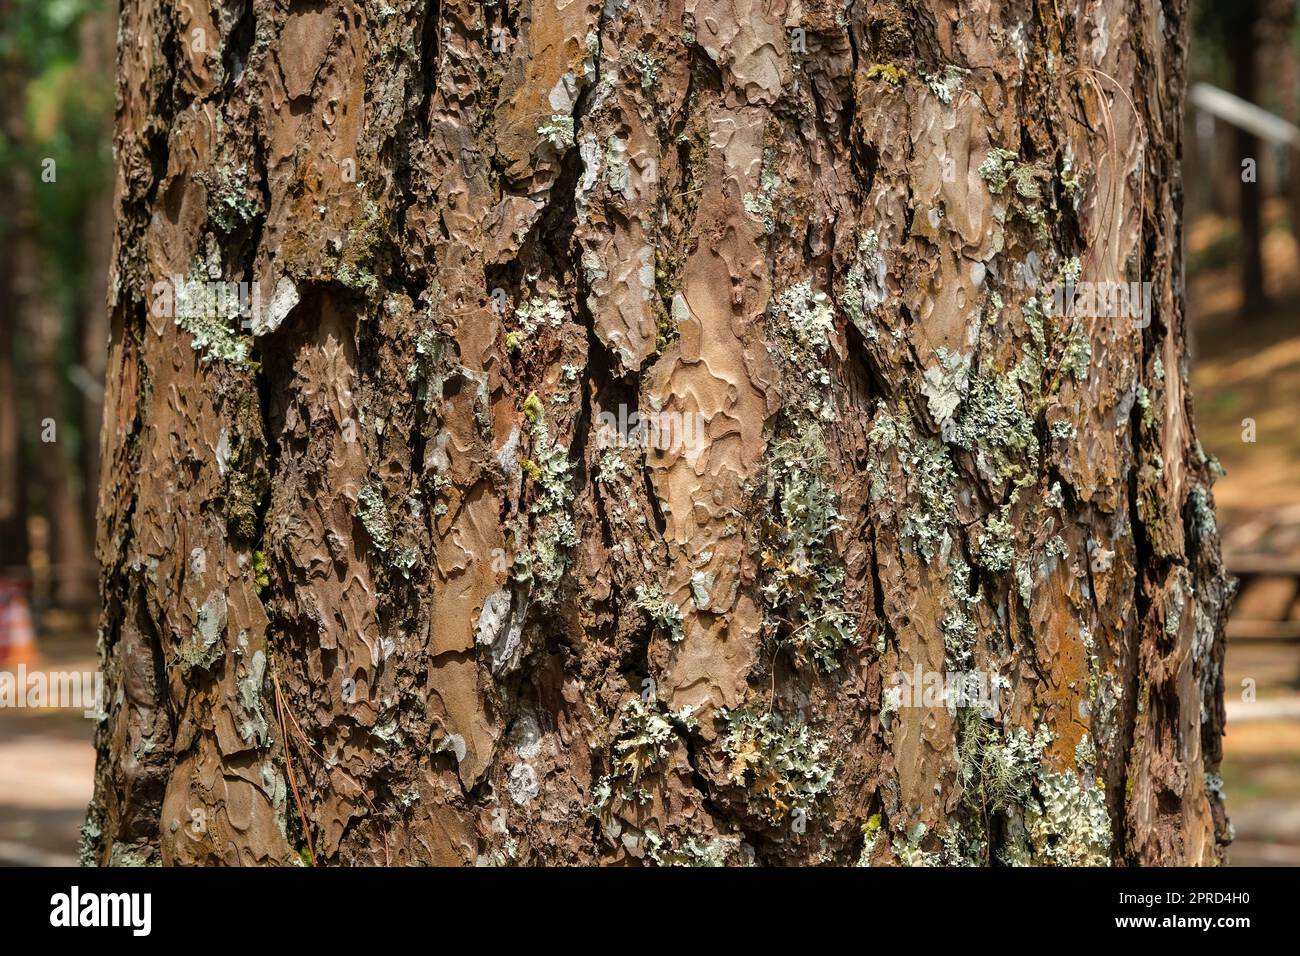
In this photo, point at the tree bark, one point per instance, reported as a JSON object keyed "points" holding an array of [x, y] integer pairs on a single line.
{"points": [[391, 577]]}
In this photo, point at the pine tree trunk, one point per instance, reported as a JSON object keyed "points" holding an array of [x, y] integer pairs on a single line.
{"points": [[393, 575]]}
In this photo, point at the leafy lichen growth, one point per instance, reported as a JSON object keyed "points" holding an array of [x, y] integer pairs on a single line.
{"points": [[1002, 168], [647, 68], [1068, 825], [1203, 512], [230, 202], [997, 542], [558, 131], [374, 517], [947, 83], [864, 284], [1071, 181], [538, 313], [929, 479], [206, 644], [211, 316], [693, 851], [995, 427], [660, 610], [999, 768], [647, 731], [783, 766], [809, 318], [554, 533], [763, 205], [891, 74], [805, 578]]}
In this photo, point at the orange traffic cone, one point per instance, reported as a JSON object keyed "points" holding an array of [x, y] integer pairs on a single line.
{"points": [[17, 636]]}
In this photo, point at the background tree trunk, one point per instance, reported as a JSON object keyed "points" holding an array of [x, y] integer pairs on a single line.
{"points": [[382, 587]]}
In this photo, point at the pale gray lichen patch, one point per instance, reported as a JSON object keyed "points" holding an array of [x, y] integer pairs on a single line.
{"points": [[1068, 824], [804, 577], [945, 384], [553, 534], [374, 517], [927, 510], [538, 313], [206, 644], [1001, 169], [783, 766], [211, 315], [692, 851], [660, 610], [641, 748], [558, 131], [947, 83], [252, 725], [763, 204], [864, 285]]}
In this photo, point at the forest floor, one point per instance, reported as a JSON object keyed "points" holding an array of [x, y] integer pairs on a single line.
{"points": [[1242, 367], [47, 758], [1248, 367]]}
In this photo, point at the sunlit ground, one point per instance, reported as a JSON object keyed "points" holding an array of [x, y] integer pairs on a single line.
{"points": [[47, 759], [1248, 367]]}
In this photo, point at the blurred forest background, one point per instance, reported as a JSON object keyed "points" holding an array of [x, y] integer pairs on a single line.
{"points": [[56, 183]]}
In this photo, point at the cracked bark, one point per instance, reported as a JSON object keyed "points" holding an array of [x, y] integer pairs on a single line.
{"points": [[479, 234]]}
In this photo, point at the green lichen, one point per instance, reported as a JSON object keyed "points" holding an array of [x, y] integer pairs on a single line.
{"points": [[891, 74], [533, 409], [211, 317], [995, 427], [261, 575], [693, 851], [947, 82], [1068, 824], [231, 203], [909, 851], [1071, 181], [374, 517], [804, 578], [763, 204], [206, 644], [783, 766], [998, 767], [252, 725], [1002, 168], [864, 285], [640, 749], [352, 258], [927, 509], [1206, 524], [997, 542], [558, 131], [647, 68], [807, 317], [538, 313], [553, 532], [870, 835], [660, 610]]}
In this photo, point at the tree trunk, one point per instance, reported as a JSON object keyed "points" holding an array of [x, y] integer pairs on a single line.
{"points": [[14, 226], [393, 575], [1243, 52]]}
